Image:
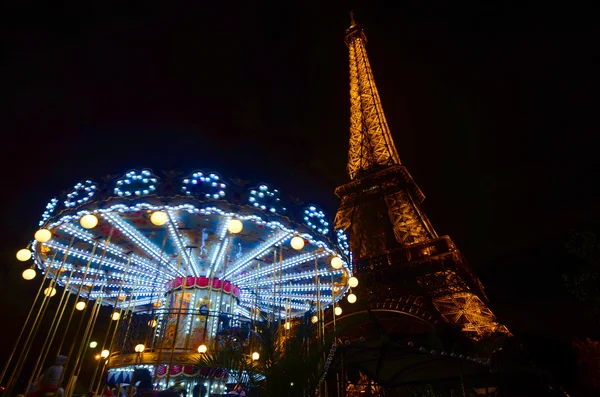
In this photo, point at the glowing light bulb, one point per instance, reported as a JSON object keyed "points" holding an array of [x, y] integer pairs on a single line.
{"points": [[93, 344], [23, 255], [28, 274], [288, 325], [336, 262], [255, 356], [42, 235], [159, 218], [337, 311], [314, 319], [88, 221], [297, 243], [352, 282], [80, 306], [115, 316], [139, 348], [104, 353], [202, 349], [351, 298], [50, 292], [235, 226]]}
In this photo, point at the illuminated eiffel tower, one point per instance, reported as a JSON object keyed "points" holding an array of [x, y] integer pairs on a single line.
{"points": [[412, 278]]}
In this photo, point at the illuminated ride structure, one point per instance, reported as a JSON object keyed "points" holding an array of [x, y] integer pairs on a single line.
{"points": [[182, 262]]}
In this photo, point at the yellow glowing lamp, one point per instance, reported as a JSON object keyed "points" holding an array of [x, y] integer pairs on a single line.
{"points": [[338, 311], [28, 274], [93, 344], [352, 282], [115, 316], [42, 235], [104, 353], [202, 349], [88, 221], [314, 319], [23, 255], [80, 306], [235, 226], [50, 292], [297, 243], [139, 348], [255, 356], [336, 262], [351, 298], [159, 218], [288, 325]]}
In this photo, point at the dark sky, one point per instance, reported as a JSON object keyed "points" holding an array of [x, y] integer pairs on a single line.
{"points": [[493, 109]]}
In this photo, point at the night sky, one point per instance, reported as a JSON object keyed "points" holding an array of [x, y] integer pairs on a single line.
{"points": [[493, 110]]}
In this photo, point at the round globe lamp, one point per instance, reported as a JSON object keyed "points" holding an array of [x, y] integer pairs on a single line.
{"points": [[255, 356], [235, 226], [88, 221], [104, 353], [159, 218], [42, 235], [297, 243], [115, 316], [28, 274], [352, 282], [314, 319], [202, 349], [93, 344], [351, 298], [80, 306], [336, 262], [50, 292], [139, 348], [338, 311], [23, 255]]}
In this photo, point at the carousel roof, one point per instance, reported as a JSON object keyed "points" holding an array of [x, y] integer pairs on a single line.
{"points": [[129, 255]]}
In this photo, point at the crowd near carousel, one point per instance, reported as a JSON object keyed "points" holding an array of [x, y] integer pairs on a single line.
{"points": [[185, 264]]}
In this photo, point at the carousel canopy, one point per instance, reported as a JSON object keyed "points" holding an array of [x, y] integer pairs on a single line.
{"points": [[135, 235]]}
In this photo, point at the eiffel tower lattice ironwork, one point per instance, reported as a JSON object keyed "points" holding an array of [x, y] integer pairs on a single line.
{"points": [[398, 256]]}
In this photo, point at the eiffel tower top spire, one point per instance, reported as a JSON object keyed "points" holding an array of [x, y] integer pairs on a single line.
{"points": [[371, 144]]}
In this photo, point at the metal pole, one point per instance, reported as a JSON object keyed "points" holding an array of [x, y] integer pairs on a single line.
{"points": [[25, 324], [62, 304], [36, 325], [91, 321]]}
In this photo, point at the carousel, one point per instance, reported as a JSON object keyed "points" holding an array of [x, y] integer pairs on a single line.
{"points": [[182, 262]]}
